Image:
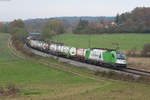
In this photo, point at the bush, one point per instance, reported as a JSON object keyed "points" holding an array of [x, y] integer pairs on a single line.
{"points": [[10, 90], [20, 47], [19, 34], [146, 50], [132, 52], [112, 73], [97, 73]]}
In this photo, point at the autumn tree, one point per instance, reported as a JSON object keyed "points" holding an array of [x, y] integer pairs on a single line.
{"points": [[17, 30], [52, 27], [96, 28], [16, 24], [81, 27]]}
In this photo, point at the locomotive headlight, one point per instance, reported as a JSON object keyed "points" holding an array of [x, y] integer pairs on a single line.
{"points": [[119, 61]]}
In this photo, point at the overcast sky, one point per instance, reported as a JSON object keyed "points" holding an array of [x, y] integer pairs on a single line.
{"points": [[25, 9]]}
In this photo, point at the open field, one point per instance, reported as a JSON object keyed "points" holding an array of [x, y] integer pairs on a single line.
{"points": [[42, 82], [126, 41]]}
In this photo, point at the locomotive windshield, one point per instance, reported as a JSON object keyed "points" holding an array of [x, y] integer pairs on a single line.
{"points": [[120, 56]]}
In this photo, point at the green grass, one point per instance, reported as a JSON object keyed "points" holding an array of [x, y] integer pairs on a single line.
{"points": [[14, 70], [126, 41], [19, 71], [32, 73], [5, 54], [40, 82]]}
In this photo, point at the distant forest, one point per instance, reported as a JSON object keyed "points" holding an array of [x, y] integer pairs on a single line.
{"points": [[136, 21], [36, 25]]}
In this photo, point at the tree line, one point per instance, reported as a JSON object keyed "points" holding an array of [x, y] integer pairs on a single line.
{"points": [[136, 21], [19, 32], [36, 25], [16, 28]]}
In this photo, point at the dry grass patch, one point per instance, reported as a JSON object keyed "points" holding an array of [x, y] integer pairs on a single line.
{"points": [[60, 91], [141, 63]]}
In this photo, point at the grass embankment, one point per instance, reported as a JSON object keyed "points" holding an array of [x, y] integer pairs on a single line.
{"points": [[125, 41], [29, 74], [41, 82]]}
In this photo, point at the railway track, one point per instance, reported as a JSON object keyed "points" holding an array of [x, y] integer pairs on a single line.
{"points": [[127, 71], [136, 71]]}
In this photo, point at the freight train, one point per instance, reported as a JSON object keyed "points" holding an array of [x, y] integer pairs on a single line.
{"points": [[98, 56]]}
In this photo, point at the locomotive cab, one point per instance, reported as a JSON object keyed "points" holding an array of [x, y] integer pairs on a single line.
{"points": [[121, 59]]}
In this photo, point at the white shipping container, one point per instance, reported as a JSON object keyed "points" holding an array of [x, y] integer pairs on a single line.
{"points": [[53, 47], [66, 49], [72, 51], [34, 43], [45, 45], [38, 44], [58, 48], [81, 52], [62, 49]]}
